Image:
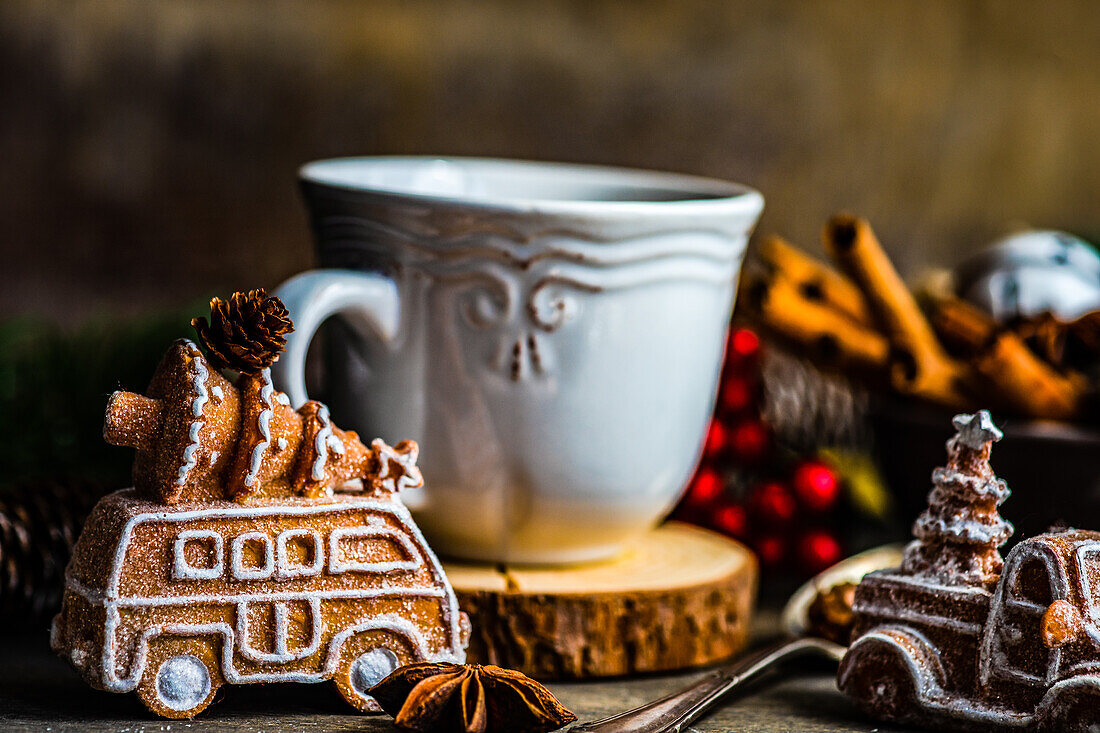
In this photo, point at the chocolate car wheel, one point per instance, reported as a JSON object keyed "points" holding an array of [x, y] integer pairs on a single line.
{"points": [[1074, 709], [365, 660], [877, 675], [180, 677], [888, 694]]}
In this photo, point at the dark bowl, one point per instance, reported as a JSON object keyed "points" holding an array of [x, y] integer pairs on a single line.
{"points": [[1052, 468]]}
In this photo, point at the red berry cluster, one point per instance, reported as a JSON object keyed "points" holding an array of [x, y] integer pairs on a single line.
{"points": [[782, 505]]}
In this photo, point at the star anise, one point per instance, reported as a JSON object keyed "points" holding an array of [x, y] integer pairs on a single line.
{"points": [[246, 333], [468, 698]]}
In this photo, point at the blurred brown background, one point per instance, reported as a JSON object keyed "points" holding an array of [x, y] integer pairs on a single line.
{"points": [[149, 147]]}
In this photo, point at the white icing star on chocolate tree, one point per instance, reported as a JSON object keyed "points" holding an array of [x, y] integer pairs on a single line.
{"points": [[976, 430]]}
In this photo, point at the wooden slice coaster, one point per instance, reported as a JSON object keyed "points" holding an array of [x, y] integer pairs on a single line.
{"points": [[680, 597]]}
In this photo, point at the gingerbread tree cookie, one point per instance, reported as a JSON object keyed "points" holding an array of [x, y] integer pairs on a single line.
{"points": [[959, 535], [200, 436]]}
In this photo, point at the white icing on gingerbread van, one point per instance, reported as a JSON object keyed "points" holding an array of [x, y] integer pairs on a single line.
{"points": [[174, 601]]}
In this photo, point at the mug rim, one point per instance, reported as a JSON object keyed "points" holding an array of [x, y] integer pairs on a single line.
{"points": [[701, 194]]}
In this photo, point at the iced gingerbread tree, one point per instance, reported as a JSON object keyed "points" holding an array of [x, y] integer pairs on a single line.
{"points": [[201, 437], [958, 536]]}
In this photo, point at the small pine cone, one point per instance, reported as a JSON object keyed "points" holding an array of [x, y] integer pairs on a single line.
{"points": [[246, 333], [808, 409], [39, 524]]}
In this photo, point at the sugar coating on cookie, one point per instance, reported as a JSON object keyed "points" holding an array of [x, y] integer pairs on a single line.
{"points": [[259, 543], [294, 589]]}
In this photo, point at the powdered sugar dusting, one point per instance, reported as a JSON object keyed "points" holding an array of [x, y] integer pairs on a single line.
{"points": [[959, 534], [977, 486], [963, 530]]}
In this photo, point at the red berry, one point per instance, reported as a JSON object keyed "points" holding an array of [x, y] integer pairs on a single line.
{"points": [[737, 395], [732, 519], [749, 439], [717, 440], [743, 343], [816, 485], [771, 550], [817, 550], [772, 502], [705, 487]]}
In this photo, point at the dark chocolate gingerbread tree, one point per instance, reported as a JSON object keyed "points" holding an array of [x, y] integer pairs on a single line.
{"points": [[958, 536]]}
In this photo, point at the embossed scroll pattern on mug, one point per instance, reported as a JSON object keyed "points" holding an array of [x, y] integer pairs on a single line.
{"points": [[526, 285]]}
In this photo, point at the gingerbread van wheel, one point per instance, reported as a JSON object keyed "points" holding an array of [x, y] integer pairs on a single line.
{"points": [[365, 660], [181, 676]]}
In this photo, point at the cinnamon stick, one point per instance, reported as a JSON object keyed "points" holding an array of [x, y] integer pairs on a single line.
{"points": [[919, 365], [1015, 376], [961, 325], [828, 337], [817, 281], [1026, 383]]}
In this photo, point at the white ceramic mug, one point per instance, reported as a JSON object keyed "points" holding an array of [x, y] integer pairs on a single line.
{"points": [[550, 334]]}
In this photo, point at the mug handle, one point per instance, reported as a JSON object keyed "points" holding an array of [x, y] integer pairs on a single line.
{"points": [[369, 301]]}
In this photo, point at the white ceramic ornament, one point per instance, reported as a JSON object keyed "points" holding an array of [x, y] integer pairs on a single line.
{"points": [[1032, 272]]}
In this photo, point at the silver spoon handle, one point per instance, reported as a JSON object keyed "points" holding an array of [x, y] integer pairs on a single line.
{"points": [[672, 713]]}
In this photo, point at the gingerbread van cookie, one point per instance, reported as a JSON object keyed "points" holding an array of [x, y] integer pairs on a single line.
{"points": [[958, 638], [259, 543]]}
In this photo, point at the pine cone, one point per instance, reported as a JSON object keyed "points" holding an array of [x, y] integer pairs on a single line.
{"points": [[39, 523], [808, 409], [246, 333]]}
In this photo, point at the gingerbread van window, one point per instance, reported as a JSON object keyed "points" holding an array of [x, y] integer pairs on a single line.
{"points": [[371, 549], [197, 555], [253, 556], [299, 553]]}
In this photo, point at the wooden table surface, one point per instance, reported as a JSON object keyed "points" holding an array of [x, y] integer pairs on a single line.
{"points": [[40, 692]]}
